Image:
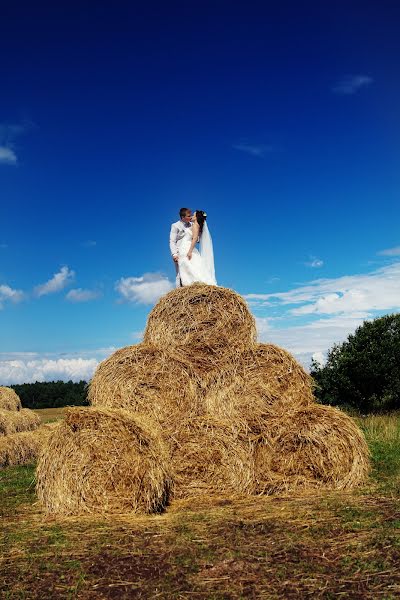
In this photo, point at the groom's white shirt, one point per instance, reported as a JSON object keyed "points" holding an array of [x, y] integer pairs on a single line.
{"points": [[176, 236]]}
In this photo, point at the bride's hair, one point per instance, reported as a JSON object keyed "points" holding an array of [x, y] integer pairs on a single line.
{"points": [[201, 216]]}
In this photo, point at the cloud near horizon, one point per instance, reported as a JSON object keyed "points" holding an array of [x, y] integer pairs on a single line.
{"points": [[28, 367], [146, 289], [57, 283], [64, 369]]}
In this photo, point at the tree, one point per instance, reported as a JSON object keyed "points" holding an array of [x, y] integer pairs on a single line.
{"points": [[51, 394], [364, 371]]}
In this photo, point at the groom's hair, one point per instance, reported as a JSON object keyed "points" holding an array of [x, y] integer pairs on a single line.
{"points": [[183, 212]]}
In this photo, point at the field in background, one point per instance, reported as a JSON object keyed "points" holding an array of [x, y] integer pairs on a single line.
{"points": [[331, 545], [50, 414]]}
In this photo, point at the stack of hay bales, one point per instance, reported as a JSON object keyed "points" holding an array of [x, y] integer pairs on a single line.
{"points": [[19, 433], [209, 409]]}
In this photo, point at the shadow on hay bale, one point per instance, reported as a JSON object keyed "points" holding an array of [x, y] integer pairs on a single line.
{"points": [[9, 399], [24, 447], [145, 380], [211, 456], [317, 446], [14, 421], [203, 326], [103, 460]]}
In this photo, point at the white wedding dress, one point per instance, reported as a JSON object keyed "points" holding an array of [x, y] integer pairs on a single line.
{"points": [[200, 268]]}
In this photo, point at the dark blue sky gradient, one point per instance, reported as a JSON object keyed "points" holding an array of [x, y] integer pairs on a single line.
{"points": [[130, 110]]}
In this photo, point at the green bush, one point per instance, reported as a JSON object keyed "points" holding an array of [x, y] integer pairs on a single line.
{"points": [[364, 371]]}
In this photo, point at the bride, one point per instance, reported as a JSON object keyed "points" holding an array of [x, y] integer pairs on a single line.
{"points": [[195, 265]]}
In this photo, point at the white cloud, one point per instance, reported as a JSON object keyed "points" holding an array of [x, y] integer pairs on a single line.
{"points": [[28, 367], [263, 326], [89, 244], [9, 294], [390, 251], [146, 289], [81, 295], [352, 84], [65, 369], [319, 358], [303, 341], [7, 156], [379, 290], [137, 336], [8, 133], [310, 318], [314, 262], [258, 150], [57, 283]]}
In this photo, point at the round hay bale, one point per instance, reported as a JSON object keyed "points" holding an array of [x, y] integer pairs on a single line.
{"points": [[276, 373], [212, 457], [9, 399], [103, 461], [204, 326], [14, 421], [317, 446], [267, 381], [23, 448], [144, 380]]}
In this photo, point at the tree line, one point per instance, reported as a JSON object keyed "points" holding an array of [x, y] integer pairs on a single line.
{"points": [[52, 394]]}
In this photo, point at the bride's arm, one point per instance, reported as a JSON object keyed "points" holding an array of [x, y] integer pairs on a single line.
{"points": [[195, 234]]}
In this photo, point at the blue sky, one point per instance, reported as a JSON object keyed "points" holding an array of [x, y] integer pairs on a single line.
{"points": [[281, 121]]}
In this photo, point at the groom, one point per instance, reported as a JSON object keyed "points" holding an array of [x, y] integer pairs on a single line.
{"points": [[175, 237]]}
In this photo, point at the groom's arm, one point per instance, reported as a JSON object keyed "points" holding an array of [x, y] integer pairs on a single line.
{"points": [[172, 240]]}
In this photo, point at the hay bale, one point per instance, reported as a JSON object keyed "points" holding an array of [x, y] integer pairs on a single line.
{"points": [[23, 448], [211, 457], [317, 446], [144, 380], [203, 326], [267, 381], [23, 420], [277, 375], [104, 461], [9, 399]]}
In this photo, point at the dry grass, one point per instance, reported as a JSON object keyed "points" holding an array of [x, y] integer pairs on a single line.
{"points": [[203, 326], [317, 446], [324, 545], [9, 400], [23, 448], [382, 428], [15, 421], [50, 414], [103, 460]]}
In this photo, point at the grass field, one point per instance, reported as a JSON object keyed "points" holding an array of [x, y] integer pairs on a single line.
{"points": [[332, 545], [50, 414]]}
